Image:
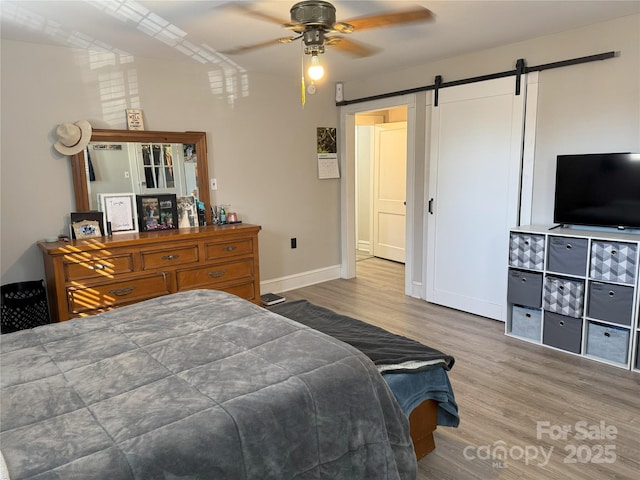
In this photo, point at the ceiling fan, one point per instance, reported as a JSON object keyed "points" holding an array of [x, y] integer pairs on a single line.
{"points": [[314, 21]]}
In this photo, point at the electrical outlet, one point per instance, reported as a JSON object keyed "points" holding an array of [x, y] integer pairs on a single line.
{"points": [[294, 243], [214, 184]]}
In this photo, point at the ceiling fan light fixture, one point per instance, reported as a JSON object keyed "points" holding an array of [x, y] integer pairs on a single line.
{"points": [[316, 70]]}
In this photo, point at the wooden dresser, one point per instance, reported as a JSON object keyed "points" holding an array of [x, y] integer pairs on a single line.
{"points": [[89, 276]]}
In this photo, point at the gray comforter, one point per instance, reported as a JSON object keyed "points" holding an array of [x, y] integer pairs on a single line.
{"points": [[198, 384]]}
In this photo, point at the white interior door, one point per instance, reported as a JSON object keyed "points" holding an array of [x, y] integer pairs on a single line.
{"points": [[476, 145], [389, 191]]}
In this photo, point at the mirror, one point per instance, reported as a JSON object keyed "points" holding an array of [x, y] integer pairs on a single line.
{"points": [[142, 162]]}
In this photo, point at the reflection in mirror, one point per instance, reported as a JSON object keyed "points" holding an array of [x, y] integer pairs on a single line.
{"points": [[142, 162], [141, 168]]}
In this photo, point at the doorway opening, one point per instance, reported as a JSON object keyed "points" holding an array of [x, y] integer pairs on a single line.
{"points": [[380, 184]]}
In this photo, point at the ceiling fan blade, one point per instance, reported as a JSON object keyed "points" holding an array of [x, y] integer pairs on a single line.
{"points": [[249, 48], [351, 47], [419, 14], [246, 10]]}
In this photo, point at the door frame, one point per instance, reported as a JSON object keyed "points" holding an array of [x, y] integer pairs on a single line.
{"points": [[346, 147]]}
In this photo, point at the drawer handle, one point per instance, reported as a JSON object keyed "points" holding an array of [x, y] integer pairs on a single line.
{"points": [[526, 242], [607, 334], [561, 288], [528, 315], [524, 279], [97, 266], [569, 247], [230, 248], [121, 292], [217, 273], [611, 293], [613, 252], [170, 257], [562, 323]]}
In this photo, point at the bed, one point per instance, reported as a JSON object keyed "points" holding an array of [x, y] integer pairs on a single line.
{"points": [[416, 373], [198, 384]]}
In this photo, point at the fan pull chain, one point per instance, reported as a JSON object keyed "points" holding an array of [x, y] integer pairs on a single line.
{"points": [[303, 92]]}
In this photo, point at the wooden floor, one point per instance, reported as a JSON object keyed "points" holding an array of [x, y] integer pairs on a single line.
{"points": [[513, 396]]}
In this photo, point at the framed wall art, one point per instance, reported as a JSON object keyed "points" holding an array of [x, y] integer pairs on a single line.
{"points": [[157, 212], [120, 211], [86, 225]]}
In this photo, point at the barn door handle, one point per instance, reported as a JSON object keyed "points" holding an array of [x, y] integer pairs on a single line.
{"points": [[431, 206]]}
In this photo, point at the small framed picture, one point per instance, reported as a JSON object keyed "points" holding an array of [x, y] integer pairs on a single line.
{"points": [[86, 225], [134, 119], [120, 211], [187, 212], [157, 212]]}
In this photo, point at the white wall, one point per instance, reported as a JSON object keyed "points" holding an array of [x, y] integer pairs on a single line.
{"points": [[261, 142], [592, 107]]}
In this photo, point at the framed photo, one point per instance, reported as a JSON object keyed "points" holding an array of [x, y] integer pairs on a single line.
{"points": [[86, 225], [134, 119], [157, 212], [187, 212], [120, 211]]}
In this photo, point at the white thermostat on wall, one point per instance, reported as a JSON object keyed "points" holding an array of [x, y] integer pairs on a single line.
{"points": [[339, 92]]}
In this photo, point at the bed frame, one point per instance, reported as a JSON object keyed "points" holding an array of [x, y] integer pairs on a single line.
{"points": [[422, 424]]}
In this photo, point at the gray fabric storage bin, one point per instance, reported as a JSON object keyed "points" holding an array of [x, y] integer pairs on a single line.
{"points": [[524, 288], [564, 296], [608, 342], [568, 255], [526, 322], [614, 261], [526, 251], [562, 332], [610, 302]]}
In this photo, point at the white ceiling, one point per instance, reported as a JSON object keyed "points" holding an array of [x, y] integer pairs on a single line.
{"points": [[198, 30]]}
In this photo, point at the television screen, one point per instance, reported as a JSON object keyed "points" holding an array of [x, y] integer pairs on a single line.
{"points": [[598, 190]]}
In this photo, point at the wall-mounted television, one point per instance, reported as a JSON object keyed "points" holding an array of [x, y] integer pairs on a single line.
{"points": [[598, 190]]}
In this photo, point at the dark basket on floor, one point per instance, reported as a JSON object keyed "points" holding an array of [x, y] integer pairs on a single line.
{"points": [[24, 305]]}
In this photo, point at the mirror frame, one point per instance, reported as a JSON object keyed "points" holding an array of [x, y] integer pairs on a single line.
{"points": [[79, 171]]}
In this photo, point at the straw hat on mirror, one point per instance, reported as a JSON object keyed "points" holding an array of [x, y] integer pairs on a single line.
{"points": [[72, 138]]}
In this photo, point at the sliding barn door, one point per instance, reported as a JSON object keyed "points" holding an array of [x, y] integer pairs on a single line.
{"points": [[474, 177]]}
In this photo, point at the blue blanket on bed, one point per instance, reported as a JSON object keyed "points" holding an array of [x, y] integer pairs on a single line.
{"points": [[414, 372]]}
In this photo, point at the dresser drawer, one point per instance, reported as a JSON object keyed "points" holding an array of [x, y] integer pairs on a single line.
{"points": [[106, 295], [85, 265], [170, 257], [215, 251], [213, 275], [245, 290]]}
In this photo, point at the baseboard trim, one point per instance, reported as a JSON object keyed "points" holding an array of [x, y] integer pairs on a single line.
{"points": [[299, 280]]}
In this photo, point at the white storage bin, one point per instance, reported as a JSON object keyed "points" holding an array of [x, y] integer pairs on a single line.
{"points": [[526, 322], [608, 342]]}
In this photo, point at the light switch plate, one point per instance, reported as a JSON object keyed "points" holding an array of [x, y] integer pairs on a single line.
{"points": [[214, 184]]}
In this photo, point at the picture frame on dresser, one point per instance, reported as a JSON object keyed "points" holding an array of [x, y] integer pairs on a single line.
{"points": [[84, 225], [120, 211], [157, 212], [187, 212]]}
